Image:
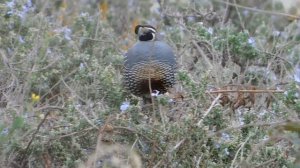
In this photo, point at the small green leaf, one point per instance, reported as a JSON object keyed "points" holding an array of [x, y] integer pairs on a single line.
{"points": [[18, 122]]}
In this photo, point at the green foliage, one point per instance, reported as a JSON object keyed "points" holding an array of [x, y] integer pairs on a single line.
{"points": [[291, 98], [216, 119], [196, 90], [238, 44], [204, 33], [70, 56]]}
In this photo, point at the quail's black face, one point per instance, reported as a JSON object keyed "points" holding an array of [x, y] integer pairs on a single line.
{"points": [[145, 32]]}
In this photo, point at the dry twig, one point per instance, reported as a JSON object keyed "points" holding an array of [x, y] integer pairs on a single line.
{"points": [[209, 109], [247, 91]]}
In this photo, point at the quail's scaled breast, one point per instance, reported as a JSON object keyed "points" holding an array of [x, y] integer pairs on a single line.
{"points": [[150, 63]]}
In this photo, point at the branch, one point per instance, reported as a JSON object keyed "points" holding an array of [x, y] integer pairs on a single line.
{"points": [[259, 10], [247, 91], [32, 138], [208, 110]]}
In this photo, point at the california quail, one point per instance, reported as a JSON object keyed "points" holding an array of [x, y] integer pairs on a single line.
{"points": [[150, 64]]}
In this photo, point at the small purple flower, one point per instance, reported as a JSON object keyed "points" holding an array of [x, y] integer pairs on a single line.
{"points": [[21, 40], [81, 66], [210, 30], [276, 33], [266, 138], [225, 136], [246, 12], [67, 32], [4, 131], [26, 7], [251, 41], [125, 105], [226, 151], [297, 74], [84, 14], [49, 51], [11, 4], [217, 145], [191, 18]]}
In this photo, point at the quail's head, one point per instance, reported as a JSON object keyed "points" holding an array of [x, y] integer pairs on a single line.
{"points": [[145, 32]]}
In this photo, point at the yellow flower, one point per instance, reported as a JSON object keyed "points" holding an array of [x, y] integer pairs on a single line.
{"points": [[35, 98]]}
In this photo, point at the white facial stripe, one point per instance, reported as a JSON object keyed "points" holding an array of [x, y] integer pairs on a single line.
{"points": [[153, 34], [151, 29]]}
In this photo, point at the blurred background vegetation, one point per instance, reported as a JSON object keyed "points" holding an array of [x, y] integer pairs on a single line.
{"points": [[62, 103]]}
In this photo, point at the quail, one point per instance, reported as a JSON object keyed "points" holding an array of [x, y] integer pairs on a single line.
{"points": [[150, 65]]}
